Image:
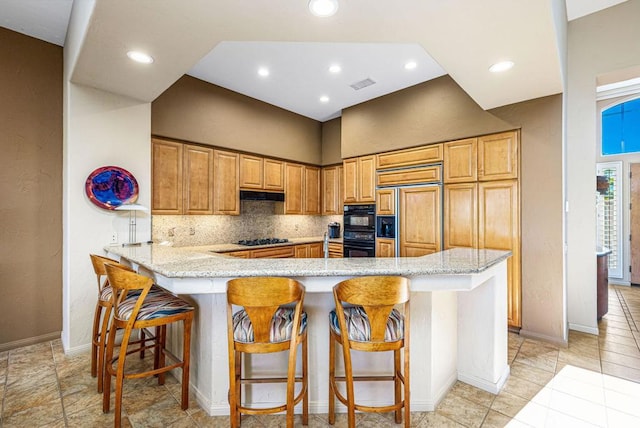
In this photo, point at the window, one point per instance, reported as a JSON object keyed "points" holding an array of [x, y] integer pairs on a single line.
{"points": [[609, 216], [621, 128]]}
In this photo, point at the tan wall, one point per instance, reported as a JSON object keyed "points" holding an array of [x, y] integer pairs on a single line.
{"points": [[540, 121], [440, 110], [31, 189], [435, 111], [196, 111], [331, 142]]}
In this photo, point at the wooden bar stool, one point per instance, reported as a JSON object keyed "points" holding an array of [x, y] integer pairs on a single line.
{"points": [[265, 325], [101, 321], [134, 307], [367, 308]]}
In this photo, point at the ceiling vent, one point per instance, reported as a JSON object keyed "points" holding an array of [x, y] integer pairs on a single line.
{"points": [[362, 84]]}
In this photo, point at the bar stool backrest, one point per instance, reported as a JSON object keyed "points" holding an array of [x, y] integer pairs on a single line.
{"points": [[377, 295], [261, 297]]}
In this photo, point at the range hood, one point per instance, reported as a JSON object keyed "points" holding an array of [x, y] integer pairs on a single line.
{"points": [[253, 195]]}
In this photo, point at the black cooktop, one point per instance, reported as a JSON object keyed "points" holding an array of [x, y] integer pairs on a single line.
{"points": [[263, 241]]}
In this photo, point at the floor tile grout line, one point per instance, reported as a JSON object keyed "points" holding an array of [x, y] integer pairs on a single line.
{"points": [[629, 316], [4, 395], [55, 365]]}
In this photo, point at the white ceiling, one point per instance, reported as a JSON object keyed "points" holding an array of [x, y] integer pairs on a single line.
{"points": [[225, 41]]}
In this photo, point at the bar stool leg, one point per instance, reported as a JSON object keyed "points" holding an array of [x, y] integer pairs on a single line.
{"points": [[186, 356], [332, 373], [94, 346], [397, 384], [305, 399]]}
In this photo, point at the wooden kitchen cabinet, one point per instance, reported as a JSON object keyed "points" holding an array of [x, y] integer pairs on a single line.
{"points": [[243, 254], [226, 194], [359, 179], [336, 250], [273, 252], [408, 176], [460, 215], [385, 247], [332, 193], [312, 201], [251, 172], [499, 228], [293, 188], [301, 189], [273, 175], [198, 180], [167, 177], [306, 251], [498, 156], [386, 202], [420, 220], [258, 173], [460, 161], [409, 157]]}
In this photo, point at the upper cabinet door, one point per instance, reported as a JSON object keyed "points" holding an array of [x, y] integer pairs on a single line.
{"points": [[198, 180], [226, 183], [251, 172], [367, 178], [294, 188], [331, 199], [312, 196], [350, 180], [460, 161], [166, 180], [498, 156], [273, 175]]}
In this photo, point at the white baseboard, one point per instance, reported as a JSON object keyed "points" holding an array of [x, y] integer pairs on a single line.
{"points": [[551, 339], [584, 328], [485, 385], [29, 341], [321, 407]]}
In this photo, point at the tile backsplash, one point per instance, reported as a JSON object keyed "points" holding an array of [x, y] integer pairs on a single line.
{"points": [[257, 219]]}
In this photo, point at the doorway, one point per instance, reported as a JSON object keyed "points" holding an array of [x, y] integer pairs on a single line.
{"points": [[634, 222]]}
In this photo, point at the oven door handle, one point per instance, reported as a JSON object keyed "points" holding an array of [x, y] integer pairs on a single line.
{"points": [[358, 245]]}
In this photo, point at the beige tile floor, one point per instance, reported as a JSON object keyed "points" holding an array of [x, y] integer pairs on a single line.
{"points": [[595, 381]]}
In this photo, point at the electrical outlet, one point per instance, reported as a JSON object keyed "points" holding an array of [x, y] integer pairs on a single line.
{"points": [[114, 238]]}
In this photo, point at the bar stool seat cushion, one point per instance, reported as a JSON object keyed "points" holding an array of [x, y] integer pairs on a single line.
{"points": [[281, 326], [360, 328], [157, 304], [107, 292]]}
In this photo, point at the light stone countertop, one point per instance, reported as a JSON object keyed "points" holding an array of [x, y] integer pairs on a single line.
{"points": [[201, 262]]}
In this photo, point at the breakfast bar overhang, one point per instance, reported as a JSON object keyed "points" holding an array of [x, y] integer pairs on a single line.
{"points": [[458, 319]]}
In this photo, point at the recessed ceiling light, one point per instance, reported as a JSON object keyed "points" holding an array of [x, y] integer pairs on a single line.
{"points": [[410, 65], [335, 68], [323, 8], [501, 66], [324, 99], [140, 57], [263, 71]]}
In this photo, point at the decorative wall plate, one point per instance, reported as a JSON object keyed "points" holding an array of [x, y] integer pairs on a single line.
{"points": [[110, 186]]}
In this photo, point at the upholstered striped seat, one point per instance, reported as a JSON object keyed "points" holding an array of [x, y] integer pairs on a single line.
{"points": [[281, 325], [157, 304], [107, 292], [360, 328]]}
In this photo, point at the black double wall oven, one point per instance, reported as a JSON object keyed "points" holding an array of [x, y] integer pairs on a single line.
{"points": [[359, 238]]}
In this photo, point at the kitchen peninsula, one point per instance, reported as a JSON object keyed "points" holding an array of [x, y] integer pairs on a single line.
{"points": [[458, 312]]}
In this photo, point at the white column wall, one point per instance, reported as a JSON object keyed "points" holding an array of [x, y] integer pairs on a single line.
{"points": [[101, 129], [599, 43]]}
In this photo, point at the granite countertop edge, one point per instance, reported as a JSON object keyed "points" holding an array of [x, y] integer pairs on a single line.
{"points": [[200, 262]]}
